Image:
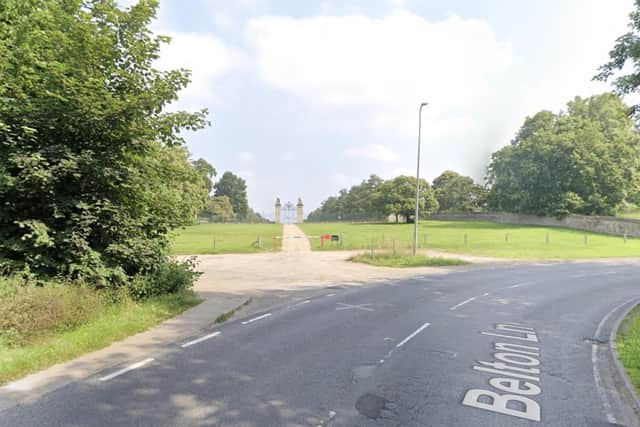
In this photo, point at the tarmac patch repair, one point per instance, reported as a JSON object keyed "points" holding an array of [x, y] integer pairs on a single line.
{"points": [[517, 374]]}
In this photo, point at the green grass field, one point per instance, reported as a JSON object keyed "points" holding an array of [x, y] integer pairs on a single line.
{"points": [[112, 324], [483, 238], [628, 345], [229, 238]]}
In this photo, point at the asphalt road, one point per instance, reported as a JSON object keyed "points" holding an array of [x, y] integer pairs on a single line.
{"points": [[483, 346]]}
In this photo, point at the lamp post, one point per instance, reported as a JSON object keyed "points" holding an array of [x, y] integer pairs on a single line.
{"points": [[416, 217]]}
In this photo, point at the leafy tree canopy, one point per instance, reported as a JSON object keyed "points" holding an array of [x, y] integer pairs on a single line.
{"points": [[93, 174], [219, 209], [583, 160], [235, 188], [456, 192]]}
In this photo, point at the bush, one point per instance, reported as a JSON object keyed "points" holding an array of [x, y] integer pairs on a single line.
{"points": [[171, 277], [28, 310]]}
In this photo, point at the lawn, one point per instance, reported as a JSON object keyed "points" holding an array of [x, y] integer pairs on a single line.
{"points": [[628, 345], [482, 238], [113, 323], [227, 238]]}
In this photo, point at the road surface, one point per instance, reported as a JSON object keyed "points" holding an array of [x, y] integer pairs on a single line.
{"points": [[482, 346]]}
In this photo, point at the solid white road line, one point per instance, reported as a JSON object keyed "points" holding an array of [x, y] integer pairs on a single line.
{"points": [[462, 303], [416, 332], [330, 295], [303, 302], [246, 322], [196, 341], [596, 372], [127, 369]]}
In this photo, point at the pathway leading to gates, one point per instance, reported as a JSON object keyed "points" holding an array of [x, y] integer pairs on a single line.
{"points": [[294, 239]]}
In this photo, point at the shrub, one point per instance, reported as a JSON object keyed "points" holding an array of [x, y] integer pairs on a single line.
{"points": [[171, 277]]}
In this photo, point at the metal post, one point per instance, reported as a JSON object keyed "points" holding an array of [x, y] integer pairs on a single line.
{"points": [[416, 217]]}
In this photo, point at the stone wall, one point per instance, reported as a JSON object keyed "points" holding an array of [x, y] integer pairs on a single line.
{"points": [[596, 224]]}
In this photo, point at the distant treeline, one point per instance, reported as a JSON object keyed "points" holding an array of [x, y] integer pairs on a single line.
{"points": [[377, 199]]}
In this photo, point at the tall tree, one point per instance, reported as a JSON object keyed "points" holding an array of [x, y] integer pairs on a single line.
{"points": [[207, 171], [456, 192], [398, 197], [584, 160], [92, 172], [235, 188], [625, 52]]}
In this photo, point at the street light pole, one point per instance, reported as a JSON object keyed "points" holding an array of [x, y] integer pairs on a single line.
{"points": [[416, 217]]}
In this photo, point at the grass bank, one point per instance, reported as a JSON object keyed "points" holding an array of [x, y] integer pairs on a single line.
{"points": [[42, 326], [477, 238], [628, 344], [402, 261], [204, 239]]}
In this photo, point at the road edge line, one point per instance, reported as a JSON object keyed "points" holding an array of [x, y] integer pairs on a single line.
{"points": [[629, 394]]}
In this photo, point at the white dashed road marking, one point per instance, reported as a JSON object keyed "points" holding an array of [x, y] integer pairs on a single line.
{"points": [[255, 319], [196, 341], [127, 369], [416, 332], [462, 303]]}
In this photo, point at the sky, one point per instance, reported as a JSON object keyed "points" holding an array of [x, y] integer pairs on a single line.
{"points": [[309, 97]]}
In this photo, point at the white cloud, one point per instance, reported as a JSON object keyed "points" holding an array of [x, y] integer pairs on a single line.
{"points": [[386, 66], [208, 58], [376, 152]]}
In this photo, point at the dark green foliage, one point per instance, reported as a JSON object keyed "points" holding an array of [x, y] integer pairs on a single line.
{"points": [[585, 160], [219, 209], [170, 277], [92, 172], [458, 193], [235, 188]]}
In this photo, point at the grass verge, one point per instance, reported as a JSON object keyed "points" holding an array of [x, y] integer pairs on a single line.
{"points": [[205, 239], [401, 261], [112, 323], [628, 345], [476, 238]]}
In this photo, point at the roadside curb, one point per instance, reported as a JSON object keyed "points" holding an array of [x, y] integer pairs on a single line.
{"points": [[627, 392]]}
